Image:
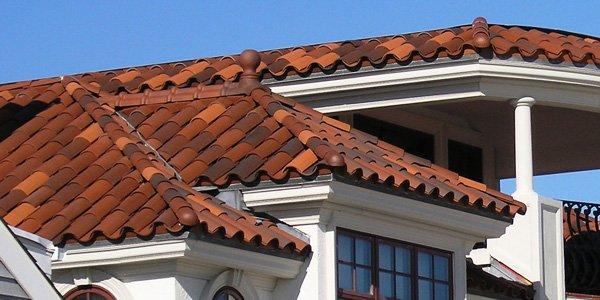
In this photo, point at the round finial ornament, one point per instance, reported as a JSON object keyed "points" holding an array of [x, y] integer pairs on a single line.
{"points": [[249, 61]]}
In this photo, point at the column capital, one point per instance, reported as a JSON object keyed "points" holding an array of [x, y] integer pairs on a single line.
{"points": [[525, 101]]}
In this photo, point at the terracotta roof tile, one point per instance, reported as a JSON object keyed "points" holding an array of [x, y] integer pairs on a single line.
{"points": [[525, 42], [101, 179], [66, 134], [294, 139]]}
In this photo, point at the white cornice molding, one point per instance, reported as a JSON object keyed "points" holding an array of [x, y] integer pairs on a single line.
{"points": [[331, 196], [231, 278], [120, 254], [287, 194], [557, 85], [231, 257], [189, 250], [408, 210]]}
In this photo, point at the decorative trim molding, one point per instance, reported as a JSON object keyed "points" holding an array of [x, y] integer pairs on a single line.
{"points": [[337, 195], [119, 254], [178, 248], [468, 78], [85, 276], [230, 257], [234, 278]]}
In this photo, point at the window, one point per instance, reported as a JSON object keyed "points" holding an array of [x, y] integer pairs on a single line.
{"points": [[228, 293], [89, 292], [465, 160], [371, 267], [412, 141]]}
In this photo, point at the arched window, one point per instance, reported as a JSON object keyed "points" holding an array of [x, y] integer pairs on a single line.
{"points": [[89, 292], [228, 293]]}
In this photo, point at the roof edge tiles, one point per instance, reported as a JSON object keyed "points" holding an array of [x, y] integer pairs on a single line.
{"points": [[478, 38], [264, 136], [190, 207], [211, 122], [74, 170]]}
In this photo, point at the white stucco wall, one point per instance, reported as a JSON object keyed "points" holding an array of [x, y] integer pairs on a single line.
{"points": [[151, 281], [179, 268], [371, 212], [533, 246]]}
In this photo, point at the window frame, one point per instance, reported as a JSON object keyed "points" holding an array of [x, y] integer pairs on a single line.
{"points": [[414, 276], [86, 289]]}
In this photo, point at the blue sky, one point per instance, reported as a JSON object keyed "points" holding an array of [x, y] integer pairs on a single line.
{"points": [[48, 38]]}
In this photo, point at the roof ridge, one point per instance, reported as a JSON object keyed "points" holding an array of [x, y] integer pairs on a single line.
{"points": [[303, 132], [187, 206], [129, 145]]}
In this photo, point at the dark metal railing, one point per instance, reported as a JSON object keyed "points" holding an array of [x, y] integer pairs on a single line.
{"points": [[581, 232], [580, 218]]}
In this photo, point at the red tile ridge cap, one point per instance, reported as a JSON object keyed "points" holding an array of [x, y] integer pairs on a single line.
{"points": [[249, 61], [307, 137], [481, 33]]}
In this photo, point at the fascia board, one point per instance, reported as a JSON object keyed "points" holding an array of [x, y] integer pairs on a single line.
{"points": [[556, 85], [21, 265]]}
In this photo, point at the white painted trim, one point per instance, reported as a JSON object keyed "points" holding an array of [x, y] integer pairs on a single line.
{"points": [[287, 194], [23, 268], [231, 278], [68, 281], [111, 254], [385, 206], [231, 257], [34, 238], [556, 85], [187, 249]]}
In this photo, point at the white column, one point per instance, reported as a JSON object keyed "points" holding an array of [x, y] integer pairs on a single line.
{"points": [[523, 146]]}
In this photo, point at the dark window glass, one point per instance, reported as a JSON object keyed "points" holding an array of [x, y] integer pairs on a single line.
{"points": [[425, 290], [345, 276], [386, 284], [412, 141], [402, 260], [363, 252], [395, 270], [440, 264], [363, 280], [386, 257], [465, 160], [354, 266], [403, 287], [425, 264], [442, 291], [345, 248]]}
